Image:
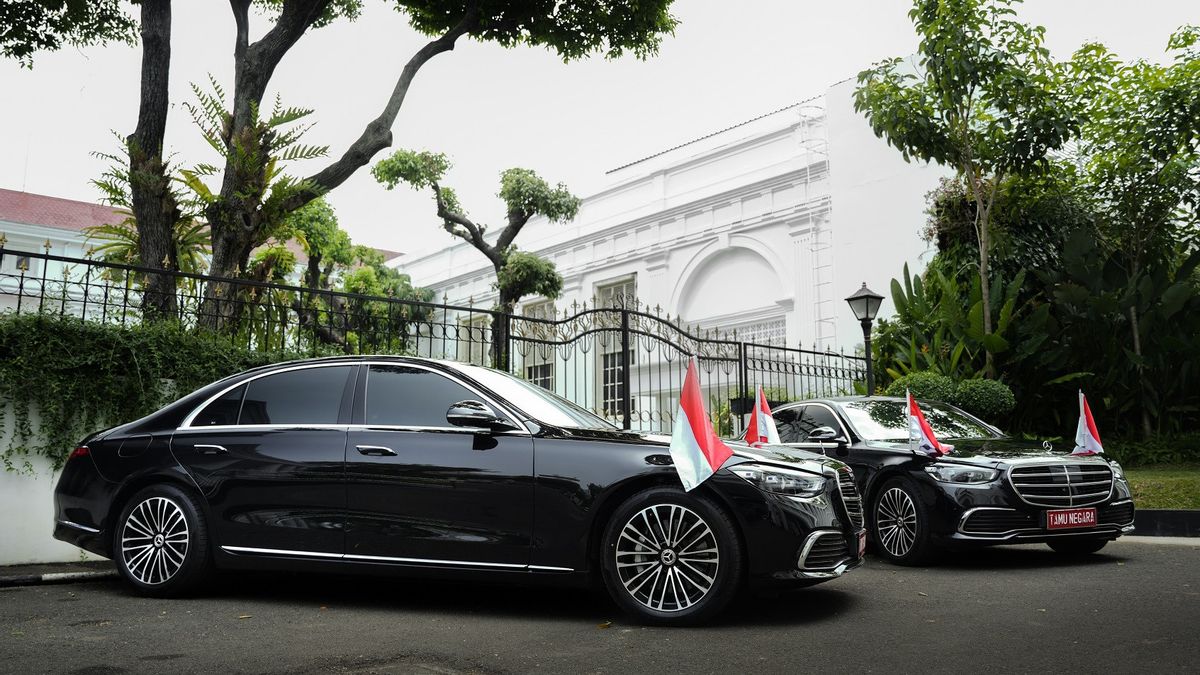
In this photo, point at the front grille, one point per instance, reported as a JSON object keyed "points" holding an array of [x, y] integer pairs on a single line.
{"points": [[850, 498], [1116, 514], [1062, 485], [827, 552], [997, 521]]}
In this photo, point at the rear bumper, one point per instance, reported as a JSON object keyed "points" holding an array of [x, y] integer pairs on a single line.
{"points": [[81, 501]]}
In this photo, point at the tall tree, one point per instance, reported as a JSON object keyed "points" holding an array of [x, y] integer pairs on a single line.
{"points": [[611, 27], [525, 195], [982, 100], [1141, 160]]}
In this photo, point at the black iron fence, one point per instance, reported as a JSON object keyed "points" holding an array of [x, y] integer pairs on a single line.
{"points": [[622, 361]]}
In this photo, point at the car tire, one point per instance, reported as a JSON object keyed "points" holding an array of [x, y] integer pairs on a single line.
{"points": [[1077, 545], [671, 558], [160, 542], [900, 525]]}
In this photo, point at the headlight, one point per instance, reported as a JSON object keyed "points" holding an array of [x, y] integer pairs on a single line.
{"points": [[780, 481], [961, 473], [1118, 472]]}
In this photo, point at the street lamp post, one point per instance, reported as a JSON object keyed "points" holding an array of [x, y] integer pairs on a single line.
{"points": [[865, 304]]}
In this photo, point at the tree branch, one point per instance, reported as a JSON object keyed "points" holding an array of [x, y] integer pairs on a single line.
{"points": [[378, 133], [516, 220]]}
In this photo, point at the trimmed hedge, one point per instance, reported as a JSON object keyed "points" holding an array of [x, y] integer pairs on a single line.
{"points": [[986, 399], [926, 385]]}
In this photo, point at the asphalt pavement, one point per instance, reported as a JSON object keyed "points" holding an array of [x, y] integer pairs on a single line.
{"points": [[1135, 607]]}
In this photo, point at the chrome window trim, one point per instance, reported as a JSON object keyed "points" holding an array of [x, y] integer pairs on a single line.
{"points": [[187, 421], [504, 410], [351, 557], [186, 425]]}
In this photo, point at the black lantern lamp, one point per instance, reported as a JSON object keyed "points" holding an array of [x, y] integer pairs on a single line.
{"points": [[865, 305]]}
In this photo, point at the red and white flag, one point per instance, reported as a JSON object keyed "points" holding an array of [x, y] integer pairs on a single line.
{"points": [[695, 448], [762, 426], [1087, 438], [920, 434]]}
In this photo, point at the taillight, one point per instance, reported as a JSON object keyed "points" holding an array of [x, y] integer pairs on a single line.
{"points": [[81, 451]]}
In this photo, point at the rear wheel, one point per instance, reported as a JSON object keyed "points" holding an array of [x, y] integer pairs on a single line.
{"points": [[1077, 545], [670, 557], [900, 525], [161, 542]]}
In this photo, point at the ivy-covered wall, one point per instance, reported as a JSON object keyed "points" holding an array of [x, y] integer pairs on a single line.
{"points": [[83, 376]]}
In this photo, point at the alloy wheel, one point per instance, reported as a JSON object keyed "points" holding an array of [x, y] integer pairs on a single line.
{"points": [[896, 522], [667, 557], [154, 540]]}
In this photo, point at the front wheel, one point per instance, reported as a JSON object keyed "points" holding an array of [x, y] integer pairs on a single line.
{"points": [[900, 525], [161, 542], [670, 557], [1077, 546]]}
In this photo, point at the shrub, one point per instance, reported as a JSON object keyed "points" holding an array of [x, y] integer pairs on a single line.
{"points": [[989, 400], [1176, 449], [926, 385], [82, 376]]}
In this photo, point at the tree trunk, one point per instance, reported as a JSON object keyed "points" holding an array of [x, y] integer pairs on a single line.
{"points": [[1135, 327], [153, 205], [501, 324], [985, 290], [230, 251]]}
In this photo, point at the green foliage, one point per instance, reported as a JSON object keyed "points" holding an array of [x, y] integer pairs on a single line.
{"points": [[1164, 449], [256, 155], [48, 25], [82, 376], [574, 30], [328, 246], [983, 95], [989, 400], [420, 169], [526, 274], [118, 242], [924, 385], [524, 191]]}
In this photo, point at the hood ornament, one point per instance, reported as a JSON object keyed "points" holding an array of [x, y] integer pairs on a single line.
{"points": [[1047, 446]]}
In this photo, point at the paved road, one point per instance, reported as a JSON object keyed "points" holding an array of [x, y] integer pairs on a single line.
{"points": [[1134, 608]]}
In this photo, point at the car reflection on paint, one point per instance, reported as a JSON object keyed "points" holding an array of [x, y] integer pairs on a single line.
{"points": [[436, 469]]}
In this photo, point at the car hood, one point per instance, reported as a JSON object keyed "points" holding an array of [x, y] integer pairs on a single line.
{"points": [[771, 454], [997, 451]]}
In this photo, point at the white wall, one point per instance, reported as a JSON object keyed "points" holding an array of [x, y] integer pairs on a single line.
{"points": [[27, 502], [878, 209]]}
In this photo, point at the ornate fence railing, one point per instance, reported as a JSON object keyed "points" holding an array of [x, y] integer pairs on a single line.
{"points": [[625, 363]]}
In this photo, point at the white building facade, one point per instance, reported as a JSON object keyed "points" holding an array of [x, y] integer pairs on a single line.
{"points": [[763, 228]]}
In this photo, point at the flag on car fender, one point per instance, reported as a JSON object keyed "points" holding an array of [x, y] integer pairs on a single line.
{"points": [[920, 434], [762, 427], [1087, 438], [695, 448]]}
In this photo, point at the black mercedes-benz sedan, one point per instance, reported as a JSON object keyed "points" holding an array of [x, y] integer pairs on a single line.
{"points": [[392, 464], [990, 489]]}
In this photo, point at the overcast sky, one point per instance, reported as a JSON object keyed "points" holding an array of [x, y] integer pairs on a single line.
{"points": [[491, 108]]}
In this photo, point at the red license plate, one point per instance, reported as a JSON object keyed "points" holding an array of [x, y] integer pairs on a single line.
{"points": [[862, 543], [1062, 519]]}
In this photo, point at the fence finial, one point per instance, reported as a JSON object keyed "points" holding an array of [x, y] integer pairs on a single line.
{"points": [[3, 239], [47, 245]]}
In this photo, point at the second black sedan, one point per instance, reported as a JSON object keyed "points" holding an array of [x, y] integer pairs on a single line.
{"points": [[420, 467], [990, 490]]}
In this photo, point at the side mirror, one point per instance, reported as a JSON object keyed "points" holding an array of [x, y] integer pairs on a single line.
{"points": [[826, 434], [476, 414]]}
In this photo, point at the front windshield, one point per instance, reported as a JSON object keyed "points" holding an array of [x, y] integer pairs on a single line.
{"points": [[888, 421], [538, 403]]}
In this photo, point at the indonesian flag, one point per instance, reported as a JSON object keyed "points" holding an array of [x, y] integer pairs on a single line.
{"points": [[920, 434], [1087, 438], [696, 450], [762, 426]]}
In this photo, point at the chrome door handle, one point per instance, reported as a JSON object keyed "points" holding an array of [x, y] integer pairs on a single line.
{"points": [[377, 450], [211, 449]]}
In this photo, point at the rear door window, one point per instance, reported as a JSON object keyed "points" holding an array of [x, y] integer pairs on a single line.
{"points": [[307, 396], [223, 411]]}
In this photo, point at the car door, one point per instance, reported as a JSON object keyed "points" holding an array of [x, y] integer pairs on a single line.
{"points": [[424, 491], [269, 457]]}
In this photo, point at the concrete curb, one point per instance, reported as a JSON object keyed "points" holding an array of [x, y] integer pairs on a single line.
{"points": [[1167, 523], [34, 575]]}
